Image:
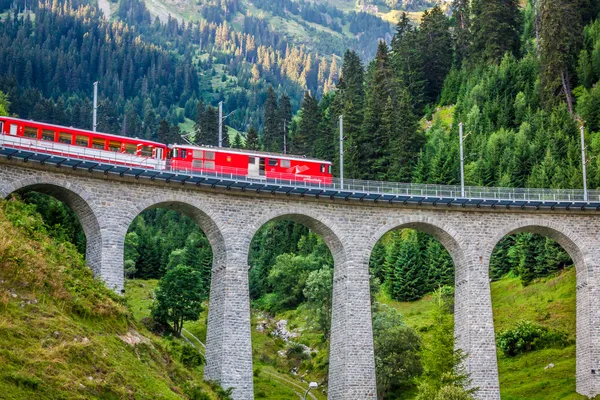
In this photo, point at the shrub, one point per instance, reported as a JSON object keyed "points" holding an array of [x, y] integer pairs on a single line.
{"points": [[527, 336]]}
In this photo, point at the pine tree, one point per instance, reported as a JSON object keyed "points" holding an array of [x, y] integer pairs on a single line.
{"points": [[208, 133], [437, 51], [285, 117], [407, 61], [164, 130], [496, 28], [272, 140], [307, 132], [461, 11], [560, 38], [351, 96], [237, 141], [252, 141], [374, 139]]}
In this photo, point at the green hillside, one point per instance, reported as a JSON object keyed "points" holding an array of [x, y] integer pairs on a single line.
{"points": [[272, 378], [549, 302], [63, 335]]}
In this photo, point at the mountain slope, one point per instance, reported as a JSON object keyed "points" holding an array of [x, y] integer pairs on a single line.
{"points": [[64, 335], [549, 302]]}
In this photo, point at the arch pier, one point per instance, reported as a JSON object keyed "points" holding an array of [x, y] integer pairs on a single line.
{"points": [[106, 204]]}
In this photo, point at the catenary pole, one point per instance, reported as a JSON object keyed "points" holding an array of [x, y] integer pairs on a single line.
{"points": [[284, 136], [95, 114], [583, 163], [462, 161], [342, 152], [220, 124]]}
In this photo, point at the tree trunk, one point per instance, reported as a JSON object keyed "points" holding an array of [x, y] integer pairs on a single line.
{"points": [[564, 77]]}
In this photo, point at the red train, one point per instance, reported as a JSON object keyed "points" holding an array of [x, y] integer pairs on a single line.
{"points": [[121, 150]]}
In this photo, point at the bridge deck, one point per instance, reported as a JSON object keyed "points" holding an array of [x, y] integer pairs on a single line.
{"points": [[357, 190]]}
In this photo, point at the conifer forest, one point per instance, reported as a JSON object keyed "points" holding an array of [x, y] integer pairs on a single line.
{"points": [[521, 75]]}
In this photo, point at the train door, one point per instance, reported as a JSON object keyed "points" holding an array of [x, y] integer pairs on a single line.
{"points": [[159, 153], [256, 167], [253, 167]]}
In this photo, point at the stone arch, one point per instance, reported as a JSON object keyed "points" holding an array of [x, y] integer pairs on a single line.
{"points": [[312, 220], [197, 211], [558, 232], [446, 235], [581, 253], [79, 200]]}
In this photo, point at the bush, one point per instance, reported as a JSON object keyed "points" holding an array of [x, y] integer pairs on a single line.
{"points": [[527, 336]]}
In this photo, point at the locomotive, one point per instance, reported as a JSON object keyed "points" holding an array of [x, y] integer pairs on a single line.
{"points": [[121, 150]]}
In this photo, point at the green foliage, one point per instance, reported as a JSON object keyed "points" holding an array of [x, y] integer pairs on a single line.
{"points": [[445, 376], [318, 292], [527, 336], [496, 28], [4, 104], [178, 297], [397, 352]]}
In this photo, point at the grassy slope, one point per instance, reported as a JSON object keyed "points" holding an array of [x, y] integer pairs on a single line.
{"points": [[550, 302], [271, 380], [62, 332]]}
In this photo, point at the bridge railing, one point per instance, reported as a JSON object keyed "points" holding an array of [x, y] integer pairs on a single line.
{"points": [[399, 189], [301, 182]]}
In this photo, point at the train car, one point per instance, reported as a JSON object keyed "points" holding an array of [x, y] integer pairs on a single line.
{"points": [[88, 145], [249, 163]]}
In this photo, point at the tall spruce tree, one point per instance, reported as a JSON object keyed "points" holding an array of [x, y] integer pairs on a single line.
{"points": [[307, 133], [461, 11], [252, 140], [284, 114], [407, 61], [374, 140], [437, 51], [560, 38], [271, 138], [351, 93], [207, 123], [496, 29]]}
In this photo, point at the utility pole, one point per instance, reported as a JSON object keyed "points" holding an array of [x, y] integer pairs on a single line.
{"points": [[95, 106], [342, 152], [462, 162], [220, 124], [583, 164], [284, 136]]}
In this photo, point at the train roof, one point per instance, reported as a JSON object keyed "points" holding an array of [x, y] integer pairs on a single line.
{"points": [[255, 153], [101, 134]]}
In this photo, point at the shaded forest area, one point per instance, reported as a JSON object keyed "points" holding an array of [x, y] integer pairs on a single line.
{"points": [[149, 71]]}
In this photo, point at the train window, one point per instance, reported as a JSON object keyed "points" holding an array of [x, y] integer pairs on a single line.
{"points": [[323, 168], [183, 153], [329, 169], [209, 155], [252, 160], [30, 132], [65, 138], [285, 163], [13, 129], [130, 148], [99, 143], [1, 126], [198, 154], [272, 162], [114, 146], [82, 141], [196, 163], [209, 165], [48, 135], [146, 151]]}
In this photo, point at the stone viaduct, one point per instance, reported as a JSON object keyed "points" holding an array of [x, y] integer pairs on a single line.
{"points": [[106, 204]]}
